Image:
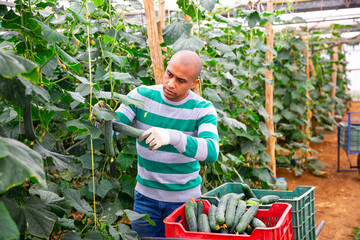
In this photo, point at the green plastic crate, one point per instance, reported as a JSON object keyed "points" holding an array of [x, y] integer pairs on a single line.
{"points": [[302, 200], [354, 137]]}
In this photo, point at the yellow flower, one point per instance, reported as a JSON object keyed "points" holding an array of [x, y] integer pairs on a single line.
{"points": [[92, 42], [31, 143], [231, 41]]}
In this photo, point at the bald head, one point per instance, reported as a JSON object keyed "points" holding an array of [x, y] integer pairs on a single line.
{"points": [[188, 58]]}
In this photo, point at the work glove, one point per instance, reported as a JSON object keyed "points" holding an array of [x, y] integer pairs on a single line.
{"points": [[155, 137]]}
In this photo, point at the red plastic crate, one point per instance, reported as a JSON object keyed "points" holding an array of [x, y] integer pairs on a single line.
{"points": [[277, 219]]}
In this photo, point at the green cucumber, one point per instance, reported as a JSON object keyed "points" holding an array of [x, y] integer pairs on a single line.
{"points": [[127, 130], [200, 208], [212, 219], [247, 218], [203, 223], [109, 140], [28, 122], [224, 230], [220, 212], [257, 223], [240, 210], [249, 202], [247, 191], [249, 230], [190, 216], [268, 199], [254, 200], [230, 210]]}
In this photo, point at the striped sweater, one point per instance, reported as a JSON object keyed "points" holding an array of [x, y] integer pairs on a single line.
{"points": [[171, 173]]}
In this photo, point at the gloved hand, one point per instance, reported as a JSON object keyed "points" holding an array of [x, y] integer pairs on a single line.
{"points": [[155, 137]]}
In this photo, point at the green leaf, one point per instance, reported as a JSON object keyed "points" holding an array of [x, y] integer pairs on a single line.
{"points": [[132, 216], [128, 185], [208, 4], [173, 31], [188, 7], [20, 164], [233, 123], [61, 161], [263, 112], [263, 174], [110, 209], [36, 218], [188, 43], [104, 114], [31, 87], [212, 95], [84, 126], [11, 65], [282, 77], [124, 160], [4, 151], [73, 198], [123, 78], [126, 233], [232, 23], [101, 188], [73, 63], [253, 18], [94, 235], [87, 163], [79, 17], [130, 101], [264, 130], [118, 60], [98, 3], [52, 35], [8, 228], [289, 115], [71, 236], [291, 67]]}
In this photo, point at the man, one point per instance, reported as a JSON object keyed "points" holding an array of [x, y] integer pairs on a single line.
{"points": [[181, 130]]}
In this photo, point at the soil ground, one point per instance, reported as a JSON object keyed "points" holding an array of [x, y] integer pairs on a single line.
{"points": [[337, 194]]}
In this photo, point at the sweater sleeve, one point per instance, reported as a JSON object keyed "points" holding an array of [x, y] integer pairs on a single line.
{"points": [[204, 147], [127, 113]]}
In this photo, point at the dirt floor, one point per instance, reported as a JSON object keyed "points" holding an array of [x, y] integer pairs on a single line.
{"points": [[337, 194]]}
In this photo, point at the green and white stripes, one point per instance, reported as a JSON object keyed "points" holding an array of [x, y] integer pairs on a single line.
{"points": [[173, 168]]}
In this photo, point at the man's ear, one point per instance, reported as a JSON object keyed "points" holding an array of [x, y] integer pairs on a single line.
{"points": [[196, 82]]}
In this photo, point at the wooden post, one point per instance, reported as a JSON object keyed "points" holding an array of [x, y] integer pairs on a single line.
{"points": [[269, 89], [335, 58], [308, 113], [161, 22], [154, 44]]}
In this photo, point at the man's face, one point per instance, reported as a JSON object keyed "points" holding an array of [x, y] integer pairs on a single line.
{"points": [[178, 80]]}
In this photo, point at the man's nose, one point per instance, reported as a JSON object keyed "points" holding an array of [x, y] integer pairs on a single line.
{"points": [[171, 82]]}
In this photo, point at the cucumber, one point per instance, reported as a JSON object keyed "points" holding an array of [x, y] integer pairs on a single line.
{"points": [[249, 230], [268, 199], [212, 219], [224, 230], [190, 216], [127, 130], [220, 212], [247, 191], [230, 210], [109, 140], [200, 208], [28, 122], [203, 223], [247, 218], [257, 223], [254, 200], [249, 202], [240, 210]]}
